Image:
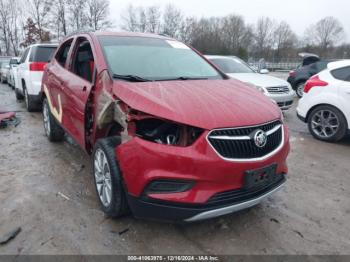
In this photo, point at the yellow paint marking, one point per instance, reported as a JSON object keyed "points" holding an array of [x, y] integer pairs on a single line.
{"points": [[57, 114]]}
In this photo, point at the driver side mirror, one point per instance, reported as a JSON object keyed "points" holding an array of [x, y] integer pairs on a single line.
{"points": [[264, 71]]}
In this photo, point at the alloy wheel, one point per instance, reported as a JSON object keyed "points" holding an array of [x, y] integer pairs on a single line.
{"points": [[325, 123], [300, 90], [103, 179]]}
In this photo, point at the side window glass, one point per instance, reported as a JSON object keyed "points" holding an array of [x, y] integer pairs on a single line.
{"points": [[63, 52], [342, 74], [24, 56], [83, 60]]}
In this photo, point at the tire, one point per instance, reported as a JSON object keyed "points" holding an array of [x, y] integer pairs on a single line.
{"points": [[53, 130], [19, 96], [30, 104], [300, 89], [325, 130], [103, 160]]}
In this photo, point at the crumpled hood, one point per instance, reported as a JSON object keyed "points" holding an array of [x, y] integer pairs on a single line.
{"points": [[260, 79], [207, 104]]}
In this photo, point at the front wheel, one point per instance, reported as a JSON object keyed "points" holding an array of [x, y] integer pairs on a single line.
{"points": [[53, 131], [327, 123], [108, 178], [300, 89]]}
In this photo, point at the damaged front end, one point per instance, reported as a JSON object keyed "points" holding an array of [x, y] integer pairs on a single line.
{"points": [[115, 118]]}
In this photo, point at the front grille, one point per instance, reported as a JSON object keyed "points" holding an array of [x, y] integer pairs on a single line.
{"points": [[241, 195], [238, 143], [284, 104], [278, 89]]}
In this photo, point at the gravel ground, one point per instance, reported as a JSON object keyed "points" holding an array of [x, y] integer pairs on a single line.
{"points": [[47, 189]]}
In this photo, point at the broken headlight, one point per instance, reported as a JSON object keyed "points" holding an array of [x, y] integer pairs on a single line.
{"points": [[166, 132]]}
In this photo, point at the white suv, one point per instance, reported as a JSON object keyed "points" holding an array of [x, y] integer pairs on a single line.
{"points": [[325, 105], [30, 73]]}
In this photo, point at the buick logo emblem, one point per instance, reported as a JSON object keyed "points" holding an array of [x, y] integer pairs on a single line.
{"points": [[260, 138]]}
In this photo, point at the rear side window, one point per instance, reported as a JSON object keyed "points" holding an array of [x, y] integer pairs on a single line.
{"points": [[342, 74], [41, 53], [24, 56]]}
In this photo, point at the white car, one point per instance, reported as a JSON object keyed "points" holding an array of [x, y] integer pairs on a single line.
{"points": [[325, 105], [4, 70], [12, 76], [30, 73], [277, 89]]}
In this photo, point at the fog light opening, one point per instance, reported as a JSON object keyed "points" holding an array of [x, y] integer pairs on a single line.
{"points": [[167, 186]]}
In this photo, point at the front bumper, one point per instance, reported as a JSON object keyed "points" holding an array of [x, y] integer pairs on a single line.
{"points": [[165, 211], [142, 162], [284, 101]]}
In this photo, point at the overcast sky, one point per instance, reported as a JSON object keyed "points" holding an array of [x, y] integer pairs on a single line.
{"points": [[298, 13]]}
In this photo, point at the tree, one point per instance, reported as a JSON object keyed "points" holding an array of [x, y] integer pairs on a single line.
{"points": [[153, 14], [97, 14], [263, 34], [31, 33], [39, 11], [77, 14], [172, 21], [130, 22], [284, 39], [5, 14], [59, 17], [325, 33]]}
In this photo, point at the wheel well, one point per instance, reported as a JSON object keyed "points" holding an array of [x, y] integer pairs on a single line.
{"points": [[300, 81], [312, 108], [23, 84]]}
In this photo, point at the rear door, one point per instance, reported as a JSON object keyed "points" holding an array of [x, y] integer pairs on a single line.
{"points": [[76, 88], [56, 78], [22, 69], [343, 75]]}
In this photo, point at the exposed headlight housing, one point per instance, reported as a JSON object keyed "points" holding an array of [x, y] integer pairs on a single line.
{"points": [[166, 132]]}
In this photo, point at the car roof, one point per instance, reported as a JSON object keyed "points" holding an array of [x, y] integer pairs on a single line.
{"points": [[219, 56], [338, 64], [44, 44], [125, 34]]}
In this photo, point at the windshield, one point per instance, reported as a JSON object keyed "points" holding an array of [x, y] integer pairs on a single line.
{"points": [[231, 65], [154, 59]]}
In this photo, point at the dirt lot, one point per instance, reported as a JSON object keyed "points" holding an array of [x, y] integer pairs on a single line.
{"points": [[47, 189]]}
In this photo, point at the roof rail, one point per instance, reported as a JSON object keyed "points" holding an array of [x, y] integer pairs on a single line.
{"points": [[80, 32]]}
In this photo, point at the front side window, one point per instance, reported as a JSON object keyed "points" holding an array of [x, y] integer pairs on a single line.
{"points": [[232, 65], [83, 60], [62, 53], [154, 59]]}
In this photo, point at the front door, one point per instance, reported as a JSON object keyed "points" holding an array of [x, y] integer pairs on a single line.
{"points": [[76, 89]]}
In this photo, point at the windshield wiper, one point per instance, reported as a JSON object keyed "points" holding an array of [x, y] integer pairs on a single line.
{"points": [[183, 78], [131, 78]]}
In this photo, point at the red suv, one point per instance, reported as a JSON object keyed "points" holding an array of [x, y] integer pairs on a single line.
{"points": [[171, 136]]}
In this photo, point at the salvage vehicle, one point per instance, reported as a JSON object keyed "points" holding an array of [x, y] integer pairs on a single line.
{"points": [[325, 106], [171, 137], [311, 65], [277, 89], [12, 79], [30, 73]]}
